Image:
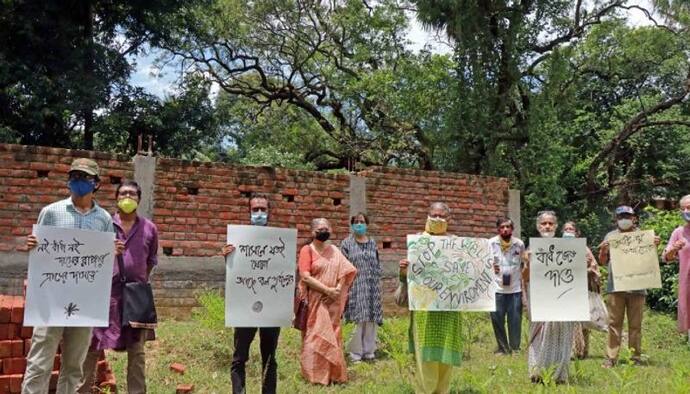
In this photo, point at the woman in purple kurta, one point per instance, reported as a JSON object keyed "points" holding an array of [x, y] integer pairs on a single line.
{"points": [[679, 247], [140, 237]]}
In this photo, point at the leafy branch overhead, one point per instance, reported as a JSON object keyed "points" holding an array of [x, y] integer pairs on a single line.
{"points": [[314, 56]]}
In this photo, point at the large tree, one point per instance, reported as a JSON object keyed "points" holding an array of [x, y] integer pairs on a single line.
{"points": [[334, 61], [60, 61]]}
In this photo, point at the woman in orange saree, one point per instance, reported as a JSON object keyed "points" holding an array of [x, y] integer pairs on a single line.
{"points": [[326, 276]]}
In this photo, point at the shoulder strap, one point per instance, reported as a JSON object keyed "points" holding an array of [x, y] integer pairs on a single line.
{"points": [[121, 267]]}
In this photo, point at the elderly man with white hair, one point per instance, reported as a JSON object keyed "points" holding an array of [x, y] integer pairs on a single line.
{"points": [[678, 249]]}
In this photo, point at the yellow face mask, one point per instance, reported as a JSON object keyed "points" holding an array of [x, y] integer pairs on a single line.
{"points": [[436, 225], [127, 205]]}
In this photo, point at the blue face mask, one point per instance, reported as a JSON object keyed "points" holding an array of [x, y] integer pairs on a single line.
{"points": [[81, 187], [259, 218], [686, 216], [359, 228]]}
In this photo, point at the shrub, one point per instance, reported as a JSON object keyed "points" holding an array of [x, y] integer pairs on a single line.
{"points": [[663, 223]]}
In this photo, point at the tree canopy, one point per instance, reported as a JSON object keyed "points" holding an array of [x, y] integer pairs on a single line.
{"points": [[579, 104]]}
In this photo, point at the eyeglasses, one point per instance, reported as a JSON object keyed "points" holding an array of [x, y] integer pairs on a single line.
{"points": [[130, 193]]}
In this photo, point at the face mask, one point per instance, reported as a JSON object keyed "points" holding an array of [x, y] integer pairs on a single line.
{"points": [[686, 216], [568, 235], [548, 234], [323, 236], [359, 228], [127, 205], [81, 187], [625, 224], [436, 225], [259, 218]]}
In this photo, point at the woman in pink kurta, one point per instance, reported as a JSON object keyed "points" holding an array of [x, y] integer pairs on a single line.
{"points": [[326, 277], [679, 248]]}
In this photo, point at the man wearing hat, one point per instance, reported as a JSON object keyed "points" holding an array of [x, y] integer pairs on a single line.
{"points": [[621, 303], [79, 211]]}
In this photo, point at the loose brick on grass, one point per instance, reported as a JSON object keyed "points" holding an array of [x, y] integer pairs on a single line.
{"points": [[184, 388], [178, 368]]}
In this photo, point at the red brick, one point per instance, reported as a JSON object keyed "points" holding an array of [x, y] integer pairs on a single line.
{"points": [[4, 383], [5, 310], [52, 385], [4, 331], [17, 347], [16, 383], [9, 331], [177, 367], [13, 365], [184, 388], [27, 346], [17, 310], [26, 332], [5, 348]]}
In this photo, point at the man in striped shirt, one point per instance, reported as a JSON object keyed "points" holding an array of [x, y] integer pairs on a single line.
{"points": [[79, 211]]}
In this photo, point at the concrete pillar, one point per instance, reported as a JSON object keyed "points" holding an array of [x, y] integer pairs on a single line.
{"points": [[358, 194], [514, 210], [145, 176]]}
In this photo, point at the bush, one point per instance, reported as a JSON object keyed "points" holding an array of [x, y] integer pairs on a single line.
{"points": [[663, 223]]}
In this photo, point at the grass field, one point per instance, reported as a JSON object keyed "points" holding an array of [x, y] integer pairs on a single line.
{"points": [[205, 347]]}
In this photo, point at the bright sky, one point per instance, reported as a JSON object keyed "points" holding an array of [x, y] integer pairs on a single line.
{"points": [[162, 82]]}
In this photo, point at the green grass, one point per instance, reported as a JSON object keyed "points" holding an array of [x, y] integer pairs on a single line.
{"points": [[205, 347]]}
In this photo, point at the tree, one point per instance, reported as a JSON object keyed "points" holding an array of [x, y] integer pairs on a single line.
{"points": [[61, 60], [329, 60]]}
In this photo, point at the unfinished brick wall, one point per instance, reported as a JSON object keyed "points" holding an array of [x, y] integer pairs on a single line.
{"points": [[33, 176], [194, 201], [398, 201], [15, 342]]}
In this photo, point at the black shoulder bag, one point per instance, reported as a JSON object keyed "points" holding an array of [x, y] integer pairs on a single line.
{"points": [[138, 308]]}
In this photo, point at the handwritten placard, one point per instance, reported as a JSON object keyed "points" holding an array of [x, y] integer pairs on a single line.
{"points": [[634, 262], [69, 278], [558, 279], [260, 276], [450, 274]]}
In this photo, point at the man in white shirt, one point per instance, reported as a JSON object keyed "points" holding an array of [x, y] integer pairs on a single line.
{"points": [[507, 251]]}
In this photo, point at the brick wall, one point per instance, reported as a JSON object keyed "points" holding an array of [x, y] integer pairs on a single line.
{"points": [[194, 201], [32, 177]]}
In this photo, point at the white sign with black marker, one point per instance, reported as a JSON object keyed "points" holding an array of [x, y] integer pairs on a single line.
{"points": [[558, 279], [260, 276], [69, 278]]}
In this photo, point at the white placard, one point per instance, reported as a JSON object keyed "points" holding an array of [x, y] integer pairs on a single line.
{"points": [[69, 278], [260, 276], [634, 261], [450, 273], [558, 279]]}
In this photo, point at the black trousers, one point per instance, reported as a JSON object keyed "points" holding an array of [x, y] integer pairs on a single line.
{"points": [[243, 340]]}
